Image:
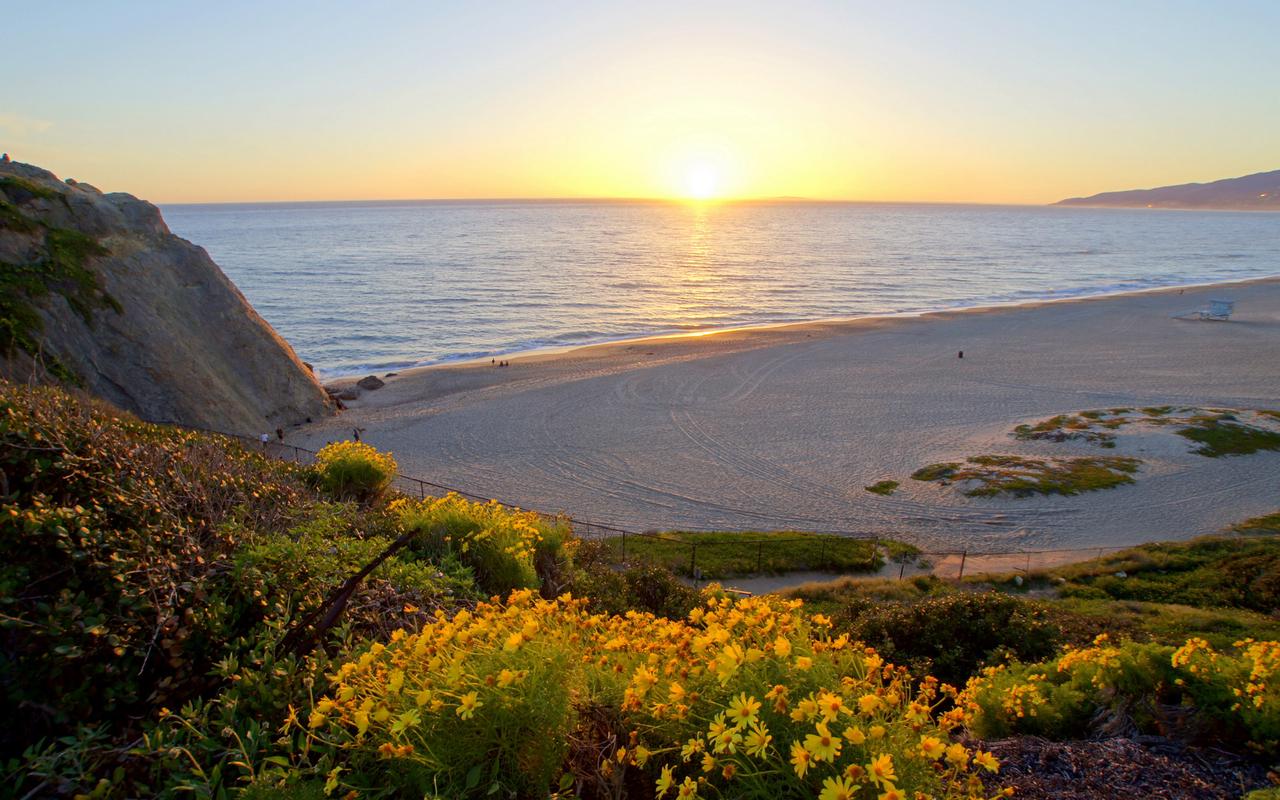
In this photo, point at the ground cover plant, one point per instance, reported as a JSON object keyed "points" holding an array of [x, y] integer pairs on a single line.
{"points": [[1021, 476], [1217, 432], [748, 698], [723, 554]]}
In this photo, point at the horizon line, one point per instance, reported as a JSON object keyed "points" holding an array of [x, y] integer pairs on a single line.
{"points": [[589, 199]]}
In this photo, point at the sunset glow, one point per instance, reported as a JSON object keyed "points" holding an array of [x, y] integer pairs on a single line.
{"points": [[825, 101], [702, 182]]}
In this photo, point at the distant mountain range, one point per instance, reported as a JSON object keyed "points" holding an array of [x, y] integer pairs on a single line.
{"points": [[1259, 192]]}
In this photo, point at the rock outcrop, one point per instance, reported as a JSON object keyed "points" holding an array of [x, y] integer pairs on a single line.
{"points": [[95, 291]]}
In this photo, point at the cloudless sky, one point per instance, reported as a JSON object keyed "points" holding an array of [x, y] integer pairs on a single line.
{"points": [[1019, 102]]}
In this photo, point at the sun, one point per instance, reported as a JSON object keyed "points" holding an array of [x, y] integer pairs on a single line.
{"points": [[701, 182]]}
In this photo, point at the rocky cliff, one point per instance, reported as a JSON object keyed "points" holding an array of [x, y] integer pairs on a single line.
{"points": [[96, 292]]}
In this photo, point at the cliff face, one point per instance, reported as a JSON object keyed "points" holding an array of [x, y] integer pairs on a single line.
{"points": [[95, 291]]}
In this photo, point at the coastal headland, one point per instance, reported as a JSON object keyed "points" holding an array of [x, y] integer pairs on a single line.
{"points": [[785, 427]]}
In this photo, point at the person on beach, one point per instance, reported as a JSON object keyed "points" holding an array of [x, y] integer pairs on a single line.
{"points": [[263, 439], [356, 433], [280, 435]]}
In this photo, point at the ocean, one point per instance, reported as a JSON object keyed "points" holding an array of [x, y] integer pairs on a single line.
{"points": [[364, 287]]}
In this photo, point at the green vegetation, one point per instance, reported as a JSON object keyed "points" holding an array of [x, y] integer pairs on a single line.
{"points": [[1068, 426], [936, 472], [1217, 431], [1218, 436], [355, 471], [505, 549], [1200, 693], [1021, 476], [882, 487], [62, 270], [1211, 571], [722, 555]]}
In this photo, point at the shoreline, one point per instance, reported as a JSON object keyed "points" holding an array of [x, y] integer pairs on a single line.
{"points": [[542, 353], [781, 427]]}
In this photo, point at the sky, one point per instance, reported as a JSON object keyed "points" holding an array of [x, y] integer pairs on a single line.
{"points": [[987, 102]]}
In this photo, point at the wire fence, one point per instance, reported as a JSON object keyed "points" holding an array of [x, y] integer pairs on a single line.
{"points": [[702, 555]]}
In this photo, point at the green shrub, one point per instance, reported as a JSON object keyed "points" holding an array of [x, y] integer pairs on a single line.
{"points": [[354, 471], [1193, 692], [503, 547], [650, 588], [951, 636]]}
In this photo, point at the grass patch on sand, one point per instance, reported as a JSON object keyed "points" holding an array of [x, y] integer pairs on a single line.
{"points": [[885, 488], [994, 475], [1069, 426], [724, 554], [1221, 435], [1219, 432]]}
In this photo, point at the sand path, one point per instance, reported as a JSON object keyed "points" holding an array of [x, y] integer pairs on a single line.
{"points": [[783, 427]]}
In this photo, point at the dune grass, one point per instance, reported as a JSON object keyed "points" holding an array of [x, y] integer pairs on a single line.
{"points": [[885, 488], [1219, 432], [1020, 476], [725, 554], [1221, 435]]}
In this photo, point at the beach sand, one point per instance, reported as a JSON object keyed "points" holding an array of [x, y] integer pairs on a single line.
{"points": [[781, 428]]}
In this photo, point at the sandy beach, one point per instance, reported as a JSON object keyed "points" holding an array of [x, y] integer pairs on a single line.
{"points": [[781, 428]]}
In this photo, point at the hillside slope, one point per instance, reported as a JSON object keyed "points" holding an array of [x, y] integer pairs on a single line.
{"points": [[1258, 192], [95, 291]]}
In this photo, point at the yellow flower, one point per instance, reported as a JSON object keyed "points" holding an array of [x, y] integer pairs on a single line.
{"points": [[665, 781], [800, 758], [855, 735], [932, 747], [881, 770], [892, 793], [782, 647], [513, 642], [688, 790], [822, 744], [957, 755], [743, 709], [987, 761], [837, 789], [757, 741], [467, 705], [831, 705], [876, 731], [869, 704], [803, 662]]}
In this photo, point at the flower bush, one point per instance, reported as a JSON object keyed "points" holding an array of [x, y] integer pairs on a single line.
{"points": [[354, 471], [506, 548], [1196, 691], [751, 698]]}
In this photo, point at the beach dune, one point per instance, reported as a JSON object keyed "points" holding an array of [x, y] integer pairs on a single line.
{"points": [[782, 428]]}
